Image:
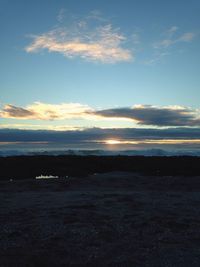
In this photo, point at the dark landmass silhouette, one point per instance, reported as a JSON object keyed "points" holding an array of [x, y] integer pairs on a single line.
{"points": [[28, 167]]}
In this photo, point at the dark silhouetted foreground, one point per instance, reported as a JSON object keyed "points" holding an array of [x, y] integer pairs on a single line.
{"points": [[112, 219], [28, 167]]}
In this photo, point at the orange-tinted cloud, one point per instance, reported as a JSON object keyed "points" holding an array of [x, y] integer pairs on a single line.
{"points": [[43, 111]]}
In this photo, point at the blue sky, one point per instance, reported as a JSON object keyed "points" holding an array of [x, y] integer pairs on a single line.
{"points": [[70, 64]]}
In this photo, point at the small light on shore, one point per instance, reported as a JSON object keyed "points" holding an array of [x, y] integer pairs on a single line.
{"points": [[46, 177]]}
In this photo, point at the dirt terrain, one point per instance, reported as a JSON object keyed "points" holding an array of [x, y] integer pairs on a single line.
{"points": [[111, 219]]}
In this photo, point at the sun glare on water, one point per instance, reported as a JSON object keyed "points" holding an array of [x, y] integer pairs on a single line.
{"points": [[112, 142], [151, 141]]}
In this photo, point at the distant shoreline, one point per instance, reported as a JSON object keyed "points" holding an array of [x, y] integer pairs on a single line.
{"points": [[28, 167]]}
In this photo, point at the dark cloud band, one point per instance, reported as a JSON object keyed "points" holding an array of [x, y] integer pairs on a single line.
{"points": [[149, 115]]}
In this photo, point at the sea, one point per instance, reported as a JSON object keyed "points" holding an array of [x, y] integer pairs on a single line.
{"points": [[97, 149]]}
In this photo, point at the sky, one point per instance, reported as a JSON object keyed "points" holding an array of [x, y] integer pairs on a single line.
{"points": [[74, 65]]}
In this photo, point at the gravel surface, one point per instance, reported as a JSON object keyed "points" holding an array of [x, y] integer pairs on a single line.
{"points": [[112, 219]]}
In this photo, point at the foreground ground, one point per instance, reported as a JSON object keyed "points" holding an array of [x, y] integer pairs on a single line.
{"points": [[113, 219]]}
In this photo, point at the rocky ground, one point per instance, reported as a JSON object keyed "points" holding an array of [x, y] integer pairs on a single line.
{"points": [[112, 219]]}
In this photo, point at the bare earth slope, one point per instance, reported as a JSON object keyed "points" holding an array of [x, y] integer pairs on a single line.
{"points": [[113, 219]]}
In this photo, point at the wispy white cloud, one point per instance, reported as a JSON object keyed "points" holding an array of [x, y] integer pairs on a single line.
{"points": [[171, 31], [61, 15], [101, 43], [157, 57], [172, 37], [136, 38], [96, 15], [187, 37], [93, 38], [163, 47]]}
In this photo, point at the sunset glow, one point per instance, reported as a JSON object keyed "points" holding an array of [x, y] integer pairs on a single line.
{"points": [[113, 142], [149, 141]]}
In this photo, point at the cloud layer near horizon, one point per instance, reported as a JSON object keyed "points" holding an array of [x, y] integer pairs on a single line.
{"points": [[98, 134], [141, 115]]}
